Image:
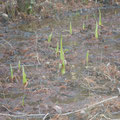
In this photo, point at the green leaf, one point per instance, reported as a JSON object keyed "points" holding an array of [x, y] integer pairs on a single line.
{"points": [[11, 70], [50, 37], [57, 48], [70, 28], [96, 31], [62, 57], [24, 76], [87, 57], [19, 65], [83, 26], [61, 50], [63, 67], [87, 17], [23, 100], [100, 21]]}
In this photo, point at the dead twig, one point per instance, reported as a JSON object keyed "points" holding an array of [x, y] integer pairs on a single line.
{"points": [[107, 118], [68, 113], [91, 106], [44, 118], [22, 115], [8, 43], [94, 116]]}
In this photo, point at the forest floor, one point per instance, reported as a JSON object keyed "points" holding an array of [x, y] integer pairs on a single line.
{"points": [[89, 89]]}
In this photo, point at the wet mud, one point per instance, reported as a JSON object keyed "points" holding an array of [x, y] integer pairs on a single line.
{"points": [[48, 91]]}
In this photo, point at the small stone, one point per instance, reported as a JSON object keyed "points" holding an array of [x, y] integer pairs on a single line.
{"points": [[43, 77], [82, 112], [58, 109], [5, 16], [48, 63]]}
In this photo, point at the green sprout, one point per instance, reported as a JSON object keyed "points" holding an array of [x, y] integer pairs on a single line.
{"points": [[30, 9], [57, 48], [62, 58], [61, 49], [11, 70], [63, 66], [96, 31], [87, 17], [100, 23], [83, 26], [85, 1], [23, 100], [50, 37], [77, 13], [87, 57], [94, 16], [70, 28], [30, 6], [19, 65], [24, 76]]}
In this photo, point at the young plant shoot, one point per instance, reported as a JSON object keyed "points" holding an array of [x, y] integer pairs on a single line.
{"points": [[19, 65], [83, 26], [61, 48], [23, 100], [86, 17], [57, 49], [11, 70], [100, 21], [70, 28], [62, 57], [50, 37], [87, 58], [24, 77], [96, 31]]}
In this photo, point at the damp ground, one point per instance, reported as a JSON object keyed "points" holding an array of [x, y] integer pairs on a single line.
{"points": [[48, 92]]}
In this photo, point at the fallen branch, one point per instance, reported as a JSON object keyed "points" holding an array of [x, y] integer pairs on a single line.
{"points": [[44, 118], [68, 113], [107, 118], [91, 106], [23, 115]]}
